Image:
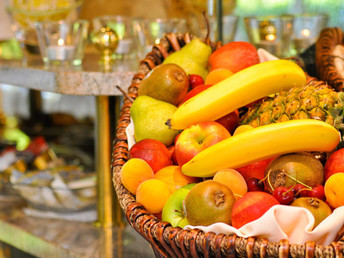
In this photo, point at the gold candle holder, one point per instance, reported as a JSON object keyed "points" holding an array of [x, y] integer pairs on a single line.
{"points": [[106, 41]]}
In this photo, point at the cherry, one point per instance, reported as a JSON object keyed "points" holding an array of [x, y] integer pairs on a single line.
{"points": [[283, 195], [300, 190], [253, 184], [195, 80], [317, 192]]}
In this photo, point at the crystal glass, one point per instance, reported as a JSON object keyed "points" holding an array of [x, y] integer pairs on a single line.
{"points": [[273, 33], [61, 42], [229, 26], [26, 12], [149, 31], [306, 30]]}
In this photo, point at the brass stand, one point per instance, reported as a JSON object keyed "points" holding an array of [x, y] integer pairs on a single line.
{"points": [[109, 210]]}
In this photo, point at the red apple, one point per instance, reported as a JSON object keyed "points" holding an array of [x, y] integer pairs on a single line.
{"points": [[255, 170], [172, 150], [230, 121], [154, 152], [251, 207], [194, 92], [334, 163], [198, 137], [234, 56]]}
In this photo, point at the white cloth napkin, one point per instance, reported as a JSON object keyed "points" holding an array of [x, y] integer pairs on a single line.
{"points": [[130, 134], [286, 222]]}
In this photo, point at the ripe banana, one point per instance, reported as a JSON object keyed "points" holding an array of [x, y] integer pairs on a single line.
{"points": [[261, 143], [238, 90]]}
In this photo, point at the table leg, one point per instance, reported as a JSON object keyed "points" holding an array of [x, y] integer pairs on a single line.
{"points": [[109, 210]]}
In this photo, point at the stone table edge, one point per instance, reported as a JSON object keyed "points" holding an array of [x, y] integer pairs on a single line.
{"points": [[66, 82]]}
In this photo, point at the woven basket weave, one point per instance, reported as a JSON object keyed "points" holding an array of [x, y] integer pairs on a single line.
{"points": [[168, 241], [326, 70]]}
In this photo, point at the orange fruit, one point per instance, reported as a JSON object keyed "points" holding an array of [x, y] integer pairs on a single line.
{"points": [[217, 75], [153, 194], [334, 190]]}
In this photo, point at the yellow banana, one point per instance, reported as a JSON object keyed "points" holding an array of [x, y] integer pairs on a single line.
{"points": [[238, 90], [263, 142]]}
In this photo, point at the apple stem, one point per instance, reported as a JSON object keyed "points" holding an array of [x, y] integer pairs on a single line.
{"points": [[125, 94], [179, 211]]}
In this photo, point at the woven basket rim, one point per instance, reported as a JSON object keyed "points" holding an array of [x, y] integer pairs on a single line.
{"points": [[168, 241]]}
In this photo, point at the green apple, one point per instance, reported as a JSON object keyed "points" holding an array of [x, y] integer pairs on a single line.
{"points": [[173, 211], [184, 222]]}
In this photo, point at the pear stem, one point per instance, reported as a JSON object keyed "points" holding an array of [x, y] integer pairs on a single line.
{"points": [[125, 94], [168, 123]]}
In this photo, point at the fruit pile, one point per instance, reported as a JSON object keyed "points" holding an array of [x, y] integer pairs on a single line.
{"points": [[222, 137]]}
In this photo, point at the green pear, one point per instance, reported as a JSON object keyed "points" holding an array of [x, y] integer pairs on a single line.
{"points": [[149, 116], [193, 57]]}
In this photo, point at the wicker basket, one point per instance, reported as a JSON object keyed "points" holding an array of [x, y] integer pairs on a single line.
{"points": [[325, 59], [168, 241]]}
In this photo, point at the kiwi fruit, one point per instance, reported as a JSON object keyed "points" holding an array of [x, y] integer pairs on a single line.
{"points": [[166, 82], [290, 169], [209, 202], [317, 207]]}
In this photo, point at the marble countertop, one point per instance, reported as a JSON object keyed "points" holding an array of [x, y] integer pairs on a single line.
{"points": [[89, 79]]}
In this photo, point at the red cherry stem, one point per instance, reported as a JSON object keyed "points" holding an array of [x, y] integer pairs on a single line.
{"points": [[290, 189], [298, 181], [303, 189], [238, 195], [293, 178]]}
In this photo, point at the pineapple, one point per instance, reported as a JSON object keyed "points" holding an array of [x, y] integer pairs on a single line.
{"points": [[316, 100]]}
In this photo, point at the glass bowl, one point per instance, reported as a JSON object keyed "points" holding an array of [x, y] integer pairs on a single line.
{"points": [[28, 12], [58, 189]]}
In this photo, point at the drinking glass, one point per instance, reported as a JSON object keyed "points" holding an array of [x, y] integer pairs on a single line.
{"points": [[273, 33], [61, 42], [307, 28], [25, 13], [149, 31], [229, 26]]}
